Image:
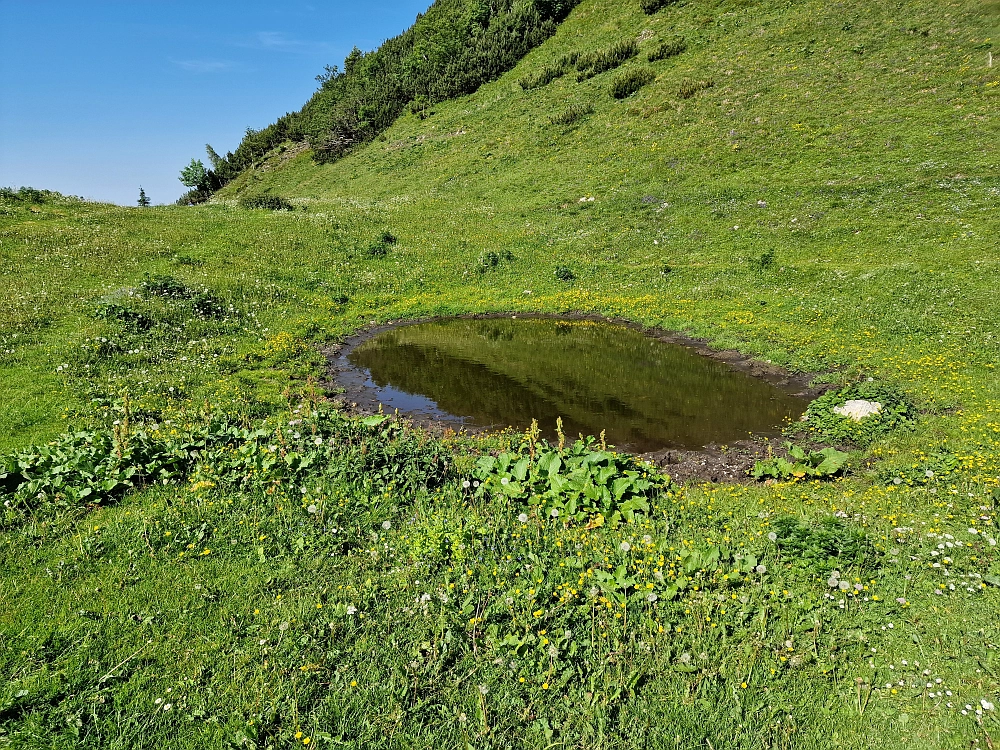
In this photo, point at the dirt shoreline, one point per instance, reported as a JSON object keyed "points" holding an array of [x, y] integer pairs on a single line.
{"points": [[714, 463]]}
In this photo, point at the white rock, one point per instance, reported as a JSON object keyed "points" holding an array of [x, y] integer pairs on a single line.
{"points": [[858, 410]]}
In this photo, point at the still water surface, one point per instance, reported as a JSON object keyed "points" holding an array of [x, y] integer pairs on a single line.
{"points": [[645, 393]]}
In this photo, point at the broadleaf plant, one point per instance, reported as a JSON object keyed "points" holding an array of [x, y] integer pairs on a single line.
{"points": [[801, 464], [582, 482]]}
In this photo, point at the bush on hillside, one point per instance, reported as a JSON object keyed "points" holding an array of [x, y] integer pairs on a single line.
{"points": [[595, 63], [490, 259], [689, 88], [572, 114], [193, 198], [630, 81], [542, 78], [266, 201], [652, 6], [668, 49], [25, 195], [564, 273], [381, 245]]}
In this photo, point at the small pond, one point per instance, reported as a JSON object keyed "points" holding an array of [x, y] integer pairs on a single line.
{"points": [[645, 393]]}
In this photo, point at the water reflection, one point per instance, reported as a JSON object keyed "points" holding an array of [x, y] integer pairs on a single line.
{"points": [[646, 394]]}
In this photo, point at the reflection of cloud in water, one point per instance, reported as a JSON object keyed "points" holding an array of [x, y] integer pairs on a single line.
{"points": [[645, 393]]}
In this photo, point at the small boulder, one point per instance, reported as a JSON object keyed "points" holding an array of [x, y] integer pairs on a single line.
{"points": [[858, 410]]}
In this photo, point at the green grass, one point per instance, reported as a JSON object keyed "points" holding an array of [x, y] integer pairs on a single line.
{"points": [[828, 205]]}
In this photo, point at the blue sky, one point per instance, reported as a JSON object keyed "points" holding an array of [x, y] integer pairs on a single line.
{"points": [[98, 97]]}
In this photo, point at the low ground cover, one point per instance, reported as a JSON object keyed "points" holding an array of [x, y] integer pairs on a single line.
{"points": [[839, 223]]}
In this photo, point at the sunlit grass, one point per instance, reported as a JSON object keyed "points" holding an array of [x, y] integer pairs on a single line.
{"points": [[828, 205]]}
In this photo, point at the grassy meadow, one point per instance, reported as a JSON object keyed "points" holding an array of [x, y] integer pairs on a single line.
{"points": [[198, 548]]}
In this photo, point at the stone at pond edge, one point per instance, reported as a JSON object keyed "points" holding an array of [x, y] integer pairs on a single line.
{"points": [[858, 410]]}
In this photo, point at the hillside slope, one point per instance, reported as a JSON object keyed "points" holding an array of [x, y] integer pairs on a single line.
{"points": [[201, 547], [837, 146]]}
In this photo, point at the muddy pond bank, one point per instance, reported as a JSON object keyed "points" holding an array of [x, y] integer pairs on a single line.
{"points": [[700, 413]]}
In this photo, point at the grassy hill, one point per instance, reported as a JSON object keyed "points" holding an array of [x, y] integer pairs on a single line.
{"points": [[815, 184]]}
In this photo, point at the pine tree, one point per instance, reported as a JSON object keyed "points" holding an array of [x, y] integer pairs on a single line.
{"points": [[143, 198]]}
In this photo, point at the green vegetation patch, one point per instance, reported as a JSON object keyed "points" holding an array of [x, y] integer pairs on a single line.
{"points": [[822, 422], [85, 468], [628, 82], [817, 545], [591, 64], [830, 207], [581, 483], [668, 49], [652, 6], [451, 50], [801, 464], [572, 114], [266, 201]]}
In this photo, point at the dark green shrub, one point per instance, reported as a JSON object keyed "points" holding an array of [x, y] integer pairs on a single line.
{"points": [[204, 302], [193, 197], [564, 273], [25, 195], [166, 286], [764, 262], [206, 305], [594, 63], [266, 201], [652, 6], [689, 88], [668, 49], [630, 81], [420, 106], [571, 114], [381, 245], [130, 320], [542, 78], [491, 259]]}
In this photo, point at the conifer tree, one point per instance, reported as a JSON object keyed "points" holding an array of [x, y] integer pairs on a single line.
{"points": [[143, 198]]}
